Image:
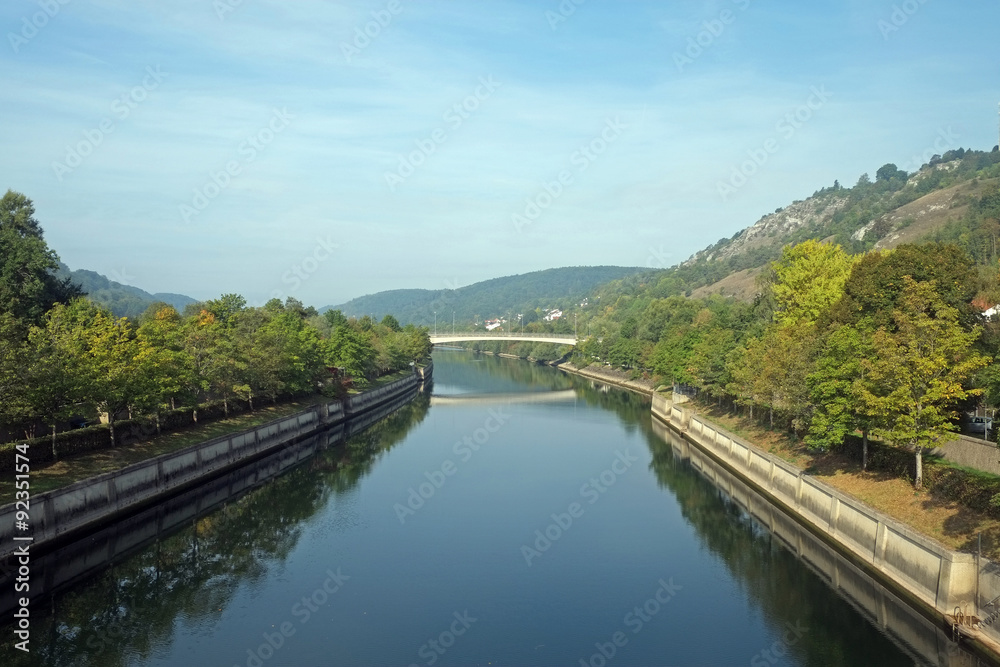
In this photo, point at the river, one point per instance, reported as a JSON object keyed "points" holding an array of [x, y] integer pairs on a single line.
{"points": [[514, 516]]}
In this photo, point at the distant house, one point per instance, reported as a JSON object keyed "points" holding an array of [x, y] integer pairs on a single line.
{"points": [[553, 315]]}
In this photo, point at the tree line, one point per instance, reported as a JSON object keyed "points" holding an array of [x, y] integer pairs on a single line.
{"points": [[60, 352], [887, 343]]}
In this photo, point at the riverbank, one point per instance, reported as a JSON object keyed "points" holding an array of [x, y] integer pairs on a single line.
{"points": [[954, 587], [84, 505], [954, 525], [609, 376]]}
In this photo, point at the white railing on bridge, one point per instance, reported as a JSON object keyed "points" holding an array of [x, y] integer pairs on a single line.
{"points": [[563, 339]]}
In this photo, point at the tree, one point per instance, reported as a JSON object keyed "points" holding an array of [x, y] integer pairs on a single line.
{"points": [[807, 280], [335, 318], [391, 323], [162, 329], [12, 381], [888, 172], [835, 388], [876, 282], [28, 286], [917, 371], [350, 351], [55, 379]]}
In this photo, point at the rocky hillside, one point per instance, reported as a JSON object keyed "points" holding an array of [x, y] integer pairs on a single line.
{"points": [[893, 209]]}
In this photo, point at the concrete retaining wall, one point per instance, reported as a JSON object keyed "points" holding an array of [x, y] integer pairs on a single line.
{"points": [[57, 514], [910, 630], [972, 453], [940, 578]]}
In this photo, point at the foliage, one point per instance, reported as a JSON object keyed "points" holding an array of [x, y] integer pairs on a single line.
{"points": [[28, 286]]}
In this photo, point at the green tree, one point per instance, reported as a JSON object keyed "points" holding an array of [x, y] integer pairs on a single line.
{"points": [[807, 280], [350, 351], [917, 371], [836, 388], [54, 374], [12, 361], [28, 286], [335, 318], [391, 323]]}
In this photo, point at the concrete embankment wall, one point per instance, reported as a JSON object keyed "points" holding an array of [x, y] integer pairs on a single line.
{"points": [[971, 453], [56, 515], [606, 378], [912, 631], [932, 574]]}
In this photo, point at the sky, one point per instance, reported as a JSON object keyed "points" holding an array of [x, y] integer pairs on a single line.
{"points": [[325, 150]]}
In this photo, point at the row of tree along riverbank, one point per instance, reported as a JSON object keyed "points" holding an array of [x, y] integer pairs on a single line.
{"points": [[56, 515]]}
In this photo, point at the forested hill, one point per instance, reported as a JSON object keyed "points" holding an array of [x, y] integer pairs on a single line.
{"points": [[529, 294], [121, 300]]}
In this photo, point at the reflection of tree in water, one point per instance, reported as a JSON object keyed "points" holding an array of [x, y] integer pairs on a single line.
{"points": [[124, 613], [345, 466], [781, 586]]}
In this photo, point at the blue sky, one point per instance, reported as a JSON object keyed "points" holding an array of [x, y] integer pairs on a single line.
{"points": [[273, 148]]}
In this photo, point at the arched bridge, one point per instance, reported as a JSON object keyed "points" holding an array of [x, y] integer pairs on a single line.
{"points": [[561, 339]]}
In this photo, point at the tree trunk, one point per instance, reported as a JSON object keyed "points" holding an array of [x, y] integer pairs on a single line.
{"points": [[770, 417], [919, 481], [864, 449], [55, 455], [172, 406], [157, 422], [250, 401], [111, 427], [194, 415], [225, 405]]}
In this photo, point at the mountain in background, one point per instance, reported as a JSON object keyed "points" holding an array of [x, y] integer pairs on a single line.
{"points": [[122, 300], [529, 294]]}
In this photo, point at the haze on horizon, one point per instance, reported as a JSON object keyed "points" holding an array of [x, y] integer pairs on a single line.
{"points": [[325, 151]]}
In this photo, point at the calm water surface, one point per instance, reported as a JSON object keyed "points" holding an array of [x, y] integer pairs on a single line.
{"points": [[517, 516]]}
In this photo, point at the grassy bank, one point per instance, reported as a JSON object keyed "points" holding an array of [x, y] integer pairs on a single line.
{"points": [[950, 522]]}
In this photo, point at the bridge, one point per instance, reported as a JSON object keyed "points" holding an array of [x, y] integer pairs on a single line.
{"points": [[561, 339]]}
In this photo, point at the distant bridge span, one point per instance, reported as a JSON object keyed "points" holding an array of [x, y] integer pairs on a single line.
{"points": [[534, 338]]}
